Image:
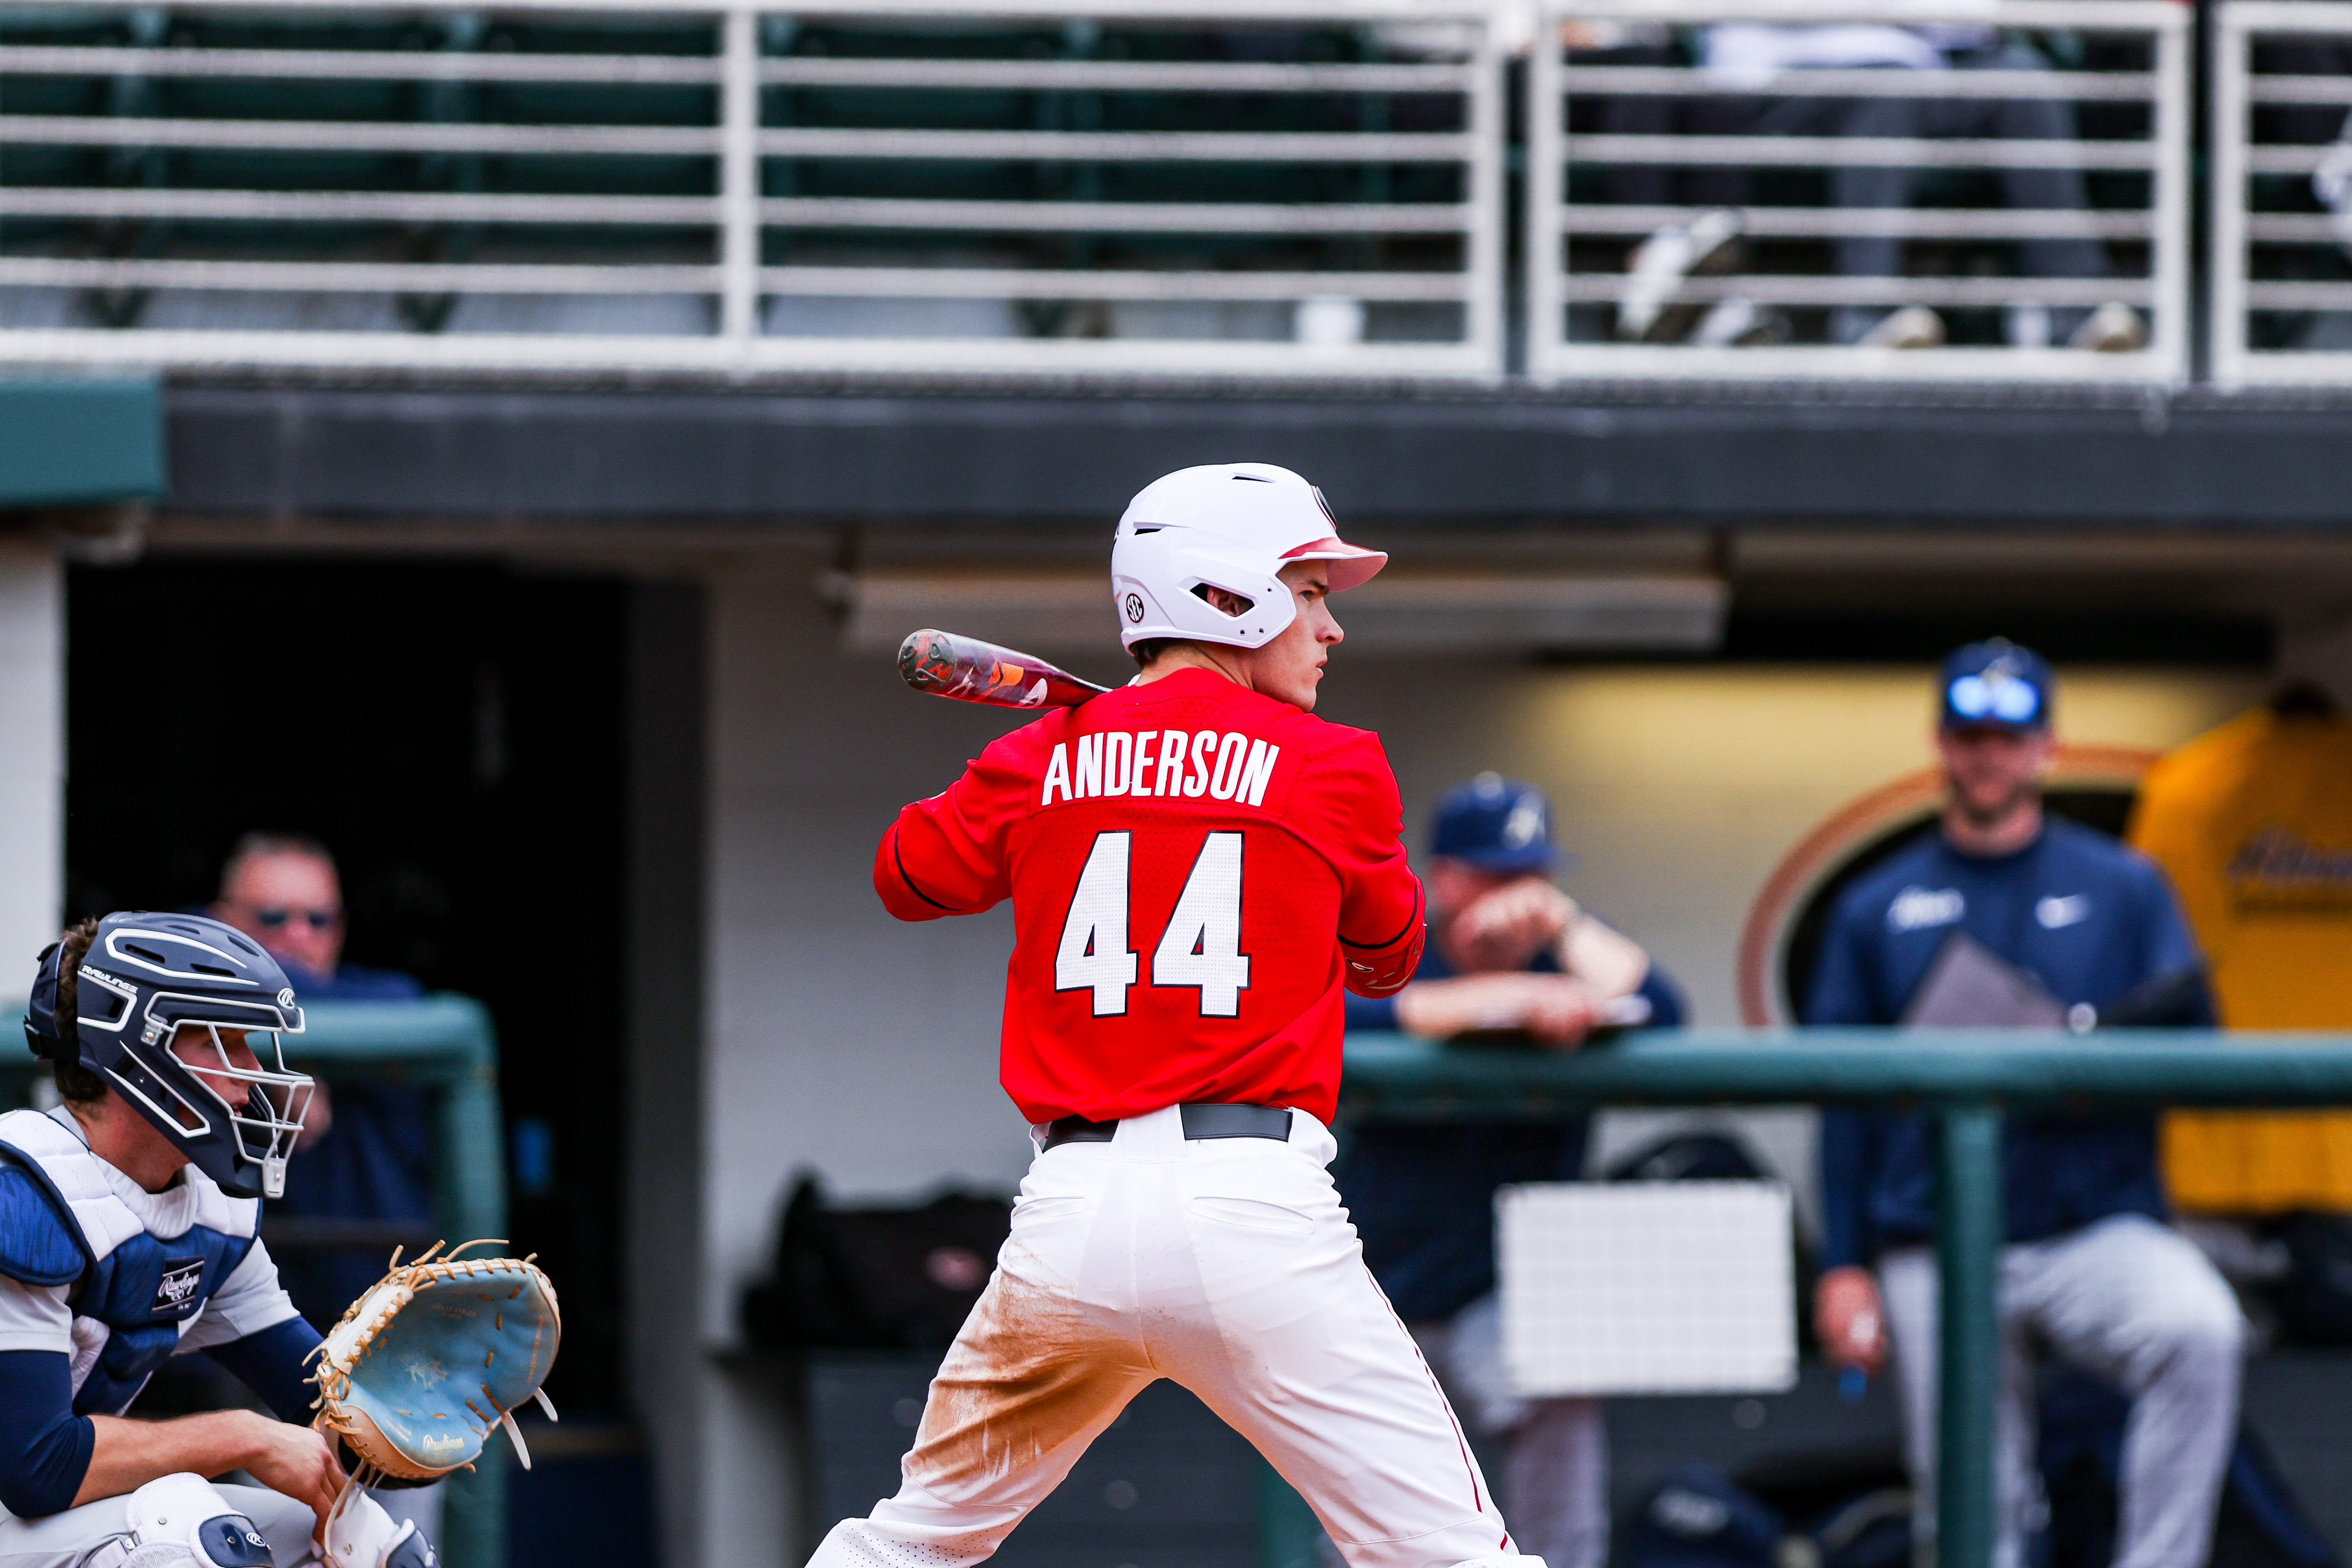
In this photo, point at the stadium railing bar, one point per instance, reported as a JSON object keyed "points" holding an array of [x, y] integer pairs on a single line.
{"points": [[1235, 187], [1239, 188], [2282, 121], [1964, 1078], [447, 1044]]}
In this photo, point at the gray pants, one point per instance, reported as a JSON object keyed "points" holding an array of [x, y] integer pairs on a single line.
{"points": [[1555, 1478], [2036, 119], [91, 1536], [2131, 1301]]}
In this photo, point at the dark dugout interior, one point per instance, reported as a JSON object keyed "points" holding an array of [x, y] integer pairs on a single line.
{"points": [[454, 733]]}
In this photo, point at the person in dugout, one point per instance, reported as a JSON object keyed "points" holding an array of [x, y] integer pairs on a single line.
{"points": [[366, 1150], [2092, 1269], [1508, 952]]}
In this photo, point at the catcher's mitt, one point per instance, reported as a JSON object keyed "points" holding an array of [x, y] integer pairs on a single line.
{"points": [[432, 1358]]}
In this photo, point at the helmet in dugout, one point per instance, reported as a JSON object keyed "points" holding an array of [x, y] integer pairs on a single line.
{"points": [[1232, 526], [146, 979]]}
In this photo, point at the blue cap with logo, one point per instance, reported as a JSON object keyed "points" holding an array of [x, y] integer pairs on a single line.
{"points": [[1996, 682], [1495, 823]]}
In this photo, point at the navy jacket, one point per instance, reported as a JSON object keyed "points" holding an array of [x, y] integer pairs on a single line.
{"points": [[2087, 916], [1422, 1194], [375, 1161]]}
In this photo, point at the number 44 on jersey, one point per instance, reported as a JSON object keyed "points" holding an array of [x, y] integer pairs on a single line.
{"points": [[1201, 948]]}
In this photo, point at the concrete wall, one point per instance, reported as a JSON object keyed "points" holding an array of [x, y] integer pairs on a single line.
{"points": [[33, 762], [837, 1039], [842, 1041]]}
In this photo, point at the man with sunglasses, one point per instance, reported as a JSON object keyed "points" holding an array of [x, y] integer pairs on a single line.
{"points": [[128, 1235], [2090, 1270], [367, 1149], [282, 889], [366, 1152]]}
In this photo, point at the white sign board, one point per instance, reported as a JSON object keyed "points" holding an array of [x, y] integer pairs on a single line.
{"points": [[1646, 1287]]}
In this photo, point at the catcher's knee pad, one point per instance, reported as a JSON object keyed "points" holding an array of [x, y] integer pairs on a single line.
{"points": [[360, 1535], [180, 1522]]}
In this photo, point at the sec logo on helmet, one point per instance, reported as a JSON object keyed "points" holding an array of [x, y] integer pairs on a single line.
{"points": [[1134, 606]]}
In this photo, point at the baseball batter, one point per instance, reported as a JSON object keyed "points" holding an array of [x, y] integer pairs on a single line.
{"points": [[1198, 867]]}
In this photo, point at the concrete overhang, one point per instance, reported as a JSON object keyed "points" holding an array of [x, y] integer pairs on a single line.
{"points": [[699, 462]]}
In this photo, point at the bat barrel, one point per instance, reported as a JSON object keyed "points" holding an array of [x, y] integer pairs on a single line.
{"points": [[970, 670]]}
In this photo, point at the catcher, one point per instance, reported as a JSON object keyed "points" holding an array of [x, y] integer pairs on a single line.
{"points": [[128, 1220]]}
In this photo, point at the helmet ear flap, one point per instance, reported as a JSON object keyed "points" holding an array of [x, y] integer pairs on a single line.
{"points": [[1156, 573]]}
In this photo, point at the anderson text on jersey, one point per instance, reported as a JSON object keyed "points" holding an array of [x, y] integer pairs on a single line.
{"points": [[1230, 766]]}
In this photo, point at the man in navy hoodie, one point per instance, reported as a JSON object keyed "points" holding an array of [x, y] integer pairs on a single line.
{"points": [[1508, 952], [2090, 1270]]}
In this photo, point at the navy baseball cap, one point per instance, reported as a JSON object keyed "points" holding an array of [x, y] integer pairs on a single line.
{"points": [[1495, 823], [1995, 682]]}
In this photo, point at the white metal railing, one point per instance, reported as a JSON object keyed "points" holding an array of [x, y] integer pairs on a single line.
{"points": [[2282, 191], [1788, 292], [1266, 251]]}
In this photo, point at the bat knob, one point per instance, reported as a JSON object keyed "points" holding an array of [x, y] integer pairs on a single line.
{"points": [[917, 667]]}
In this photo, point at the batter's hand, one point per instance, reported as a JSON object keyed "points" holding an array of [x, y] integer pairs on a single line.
{"points": [[1851, 1319], [296, 1461], [1503, 928]]}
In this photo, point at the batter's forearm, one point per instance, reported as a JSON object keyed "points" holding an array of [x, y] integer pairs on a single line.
{"points": [[1383, 966], [129, 1454], [1384, 971]]}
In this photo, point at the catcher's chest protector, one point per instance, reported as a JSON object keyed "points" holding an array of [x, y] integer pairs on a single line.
{"points": [[142, 1265]]}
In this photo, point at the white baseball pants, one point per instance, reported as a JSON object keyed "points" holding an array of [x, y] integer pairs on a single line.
{"points": [[2130, 1299], [1228, 1266]]}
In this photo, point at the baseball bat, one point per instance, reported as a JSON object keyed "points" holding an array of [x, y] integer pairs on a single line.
{"points": [[970, 670]]}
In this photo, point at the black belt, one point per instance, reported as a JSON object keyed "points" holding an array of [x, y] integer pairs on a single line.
{"points": [[1200, 1122]]}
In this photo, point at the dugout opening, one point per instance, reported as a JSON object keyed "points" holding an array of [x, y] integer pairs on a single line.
{"points": [[455, 733]]}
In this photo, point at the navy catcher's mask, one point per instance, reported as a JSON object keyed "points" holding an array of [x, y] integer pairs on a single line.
{"points": [[161, 1002]]}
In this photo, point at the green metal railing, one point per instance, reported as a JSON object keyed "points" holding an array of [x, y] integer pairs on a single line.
{"points": [[1965, 1078], [445, 1044]]}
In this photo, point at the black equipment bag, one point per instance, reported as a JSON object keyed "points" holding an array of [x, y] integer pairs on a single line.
{"points": [[875, 1278]]}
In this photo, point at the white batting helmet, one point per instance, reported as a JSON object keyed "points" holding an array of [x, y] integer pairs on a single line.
{"points": [[1224, 525]]}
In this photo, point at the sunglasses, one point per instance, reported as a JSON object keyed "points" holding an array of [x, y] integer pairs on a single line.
{"points": [[317, 920], [1994, 695]]}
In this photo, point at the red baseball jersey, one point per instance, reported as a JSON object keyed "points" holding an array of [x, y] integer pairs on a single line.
{"points": [[1195, 871]]}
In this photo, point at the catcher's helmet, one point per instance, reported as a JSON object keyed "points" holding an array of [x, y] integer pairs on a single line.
{"points": [[1226, 525], [146, 978]]}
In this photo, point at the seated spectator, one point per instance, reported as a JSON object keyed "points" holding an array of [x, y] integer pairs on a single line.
{"points": [[2092, 1269], [2332, 184], [1508, 952], [1745, 57]]}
